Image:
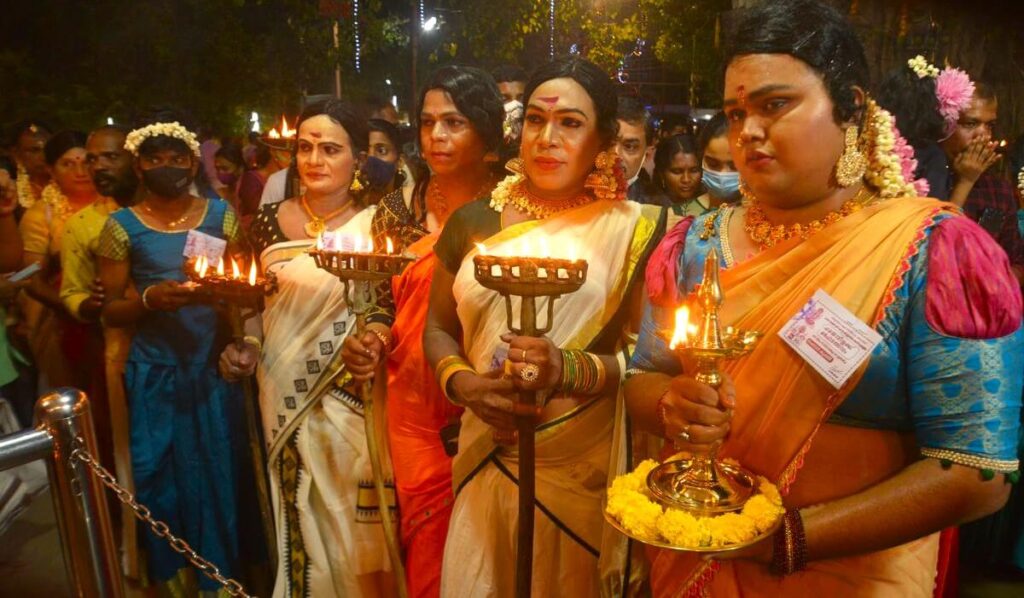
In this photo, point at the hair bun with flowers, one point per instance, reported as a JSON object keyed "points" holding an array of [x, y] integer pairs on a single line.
{"points": [[173, 129], [891, 159], [953, 89], [922, 68]]}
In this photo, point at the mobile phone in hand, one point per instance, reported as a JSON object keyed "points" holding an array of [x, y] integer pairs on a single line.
{"points": [[25, 272]]}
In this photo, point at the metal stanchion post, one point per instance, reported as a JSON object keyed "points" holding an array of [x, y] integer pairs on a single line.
{"points": [[90, 554]]}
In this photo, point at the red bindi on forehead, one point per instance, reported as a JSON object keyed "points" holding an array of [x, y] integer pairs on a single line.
{"points": [[550, 100]]}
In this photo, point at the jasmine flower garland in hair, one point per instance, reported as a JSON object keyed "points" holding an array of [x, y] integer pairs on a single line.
{"points": [[922, 68], [173, 129]]}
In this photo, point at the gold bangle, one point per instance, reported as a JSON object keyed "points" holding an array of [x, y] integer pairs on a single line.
{"points": [[443, 364], [448, 374], [254, 341], [384, 339]]}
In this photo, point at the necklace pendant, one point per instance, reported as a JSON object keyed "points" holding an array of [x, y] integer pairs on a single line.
{"points": [[314, 228]]}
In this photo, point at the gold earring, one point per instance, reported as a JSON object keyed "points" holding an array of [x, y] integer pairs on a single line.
{"points": [[516, 166], [356, 185], [852, 163], [604, 181]]}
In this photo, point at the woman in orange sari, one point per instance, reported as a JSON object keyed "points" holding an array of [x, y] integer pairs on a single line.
{"points": [[460, 123], [920, 435]]}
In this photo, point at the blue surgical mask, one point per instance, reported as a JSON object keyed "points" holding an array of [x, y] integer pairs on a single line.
{"points": [[379, 173], [722, 185]]}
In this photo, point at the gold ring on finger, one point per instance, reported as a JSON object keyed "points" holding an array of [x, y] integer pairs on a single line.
{"points": [[683, 435], [530, 372]]}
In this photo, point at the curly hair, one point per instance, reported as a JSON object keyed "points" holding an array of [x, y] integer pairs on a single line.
{"points": [[814, 33], [593, 80], [911, 100]]}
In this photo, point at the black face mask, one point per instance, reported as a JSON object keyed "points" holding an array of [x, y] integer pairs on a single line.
{"points": [[167, 181]]}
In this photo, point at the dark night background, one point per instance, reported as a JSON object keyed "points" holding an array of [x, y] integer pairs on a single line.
{"points": [[77, 63]]}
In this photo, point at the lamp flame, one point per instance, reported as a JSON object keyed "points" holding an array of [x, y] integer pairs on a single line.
{"points": [[683, 330], [481, 248], [234, 270], [220, 267], [391, 246], [252, 273], [205, 266]]}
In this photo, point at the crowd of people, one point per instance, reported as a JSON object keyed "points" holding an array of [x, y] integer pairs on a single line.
{"points": [[891, 199]]}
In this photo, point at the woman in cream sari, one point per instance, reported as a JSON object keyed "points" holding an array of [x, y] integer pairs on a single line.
{"points": [[330, 542], [919, 436], [570, 120]]}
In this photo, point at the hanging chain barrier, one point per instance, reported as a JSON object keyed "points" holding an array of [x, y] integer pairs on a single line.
{"points": [[159, 528]]}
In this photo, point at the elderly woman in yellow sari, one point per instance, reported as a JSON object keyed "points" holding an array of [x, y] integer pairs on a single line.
{"points": [[556, 195], [919, 436]]}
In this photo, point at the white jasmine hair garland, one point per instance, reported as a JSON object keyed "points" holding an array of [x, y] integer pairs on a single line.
{"points": [[174, 129], [922, 68]]}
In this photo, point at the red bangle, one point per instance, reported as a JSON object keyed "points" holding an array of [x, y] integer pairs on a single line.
{"points": [[662, 414], [789, 553]]}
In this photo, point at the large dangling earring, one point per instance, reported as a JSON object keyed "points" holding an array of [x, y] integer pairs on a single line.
{"points": [[852, 163], [356, 185], [748, 195], [604, 182], [516, 166]]}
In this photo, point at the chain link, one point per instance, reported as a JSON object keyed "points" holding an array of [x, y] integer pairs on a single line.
{"points": [[159, 527]]}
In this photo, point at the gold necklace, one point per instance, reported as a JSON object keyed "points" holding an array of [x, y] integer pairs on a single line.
{"points": [[516, 194], [318, 224], [173, 224], [437, 202], [768, 235]]}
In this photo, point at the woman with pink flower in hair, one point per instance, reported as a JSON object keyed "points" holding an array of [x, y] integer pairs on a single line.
{"points": [[921, 431]]}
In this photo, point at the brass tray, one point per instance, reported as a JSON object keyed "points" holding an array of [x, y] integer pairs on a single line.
{"points": [[700, 549]]}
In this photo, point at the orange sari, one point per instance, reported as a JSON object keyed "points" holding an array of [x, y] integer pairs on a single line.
{"points": [[416, 413], [783, 406]]}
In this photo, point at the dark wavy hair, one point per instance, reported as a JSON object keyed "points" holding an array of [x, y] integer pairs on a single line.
{"points": [[164, 114], [911, 99], [508, 72], [17, 129], [232, 152], [667, 150], [591, 78], [343, 113], [475, 94], [814, 33], [59, 144]]}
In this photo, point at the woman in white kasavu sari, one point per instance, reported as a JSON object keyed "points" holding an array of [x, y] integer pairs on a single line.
{"points": [[567, 193], [329, 539]]}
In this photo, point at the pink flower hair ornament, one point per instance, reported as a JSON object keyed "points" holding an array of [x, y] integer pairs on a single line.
{"points": [[953, 89]]}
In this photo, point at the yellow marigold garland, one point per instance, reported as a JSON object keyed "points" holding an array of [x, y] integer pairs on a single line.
{"points": [[630, 505]]}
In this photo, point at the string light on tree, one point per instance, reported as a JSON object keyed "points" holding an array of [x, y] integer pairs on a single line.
{"points": [[551, 27], [421, 13], [355, 25]]}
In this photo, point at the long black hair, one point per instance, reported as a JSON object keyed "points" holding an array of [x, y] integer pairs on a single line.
{"points": [[911, 100], [593, 80], [814, 33]]}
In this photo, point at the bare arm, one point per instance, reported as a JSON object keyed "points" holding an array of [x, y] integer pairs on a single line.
{"points": [[119, 311], [442, 326], [921, 499], [39, 288]]}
